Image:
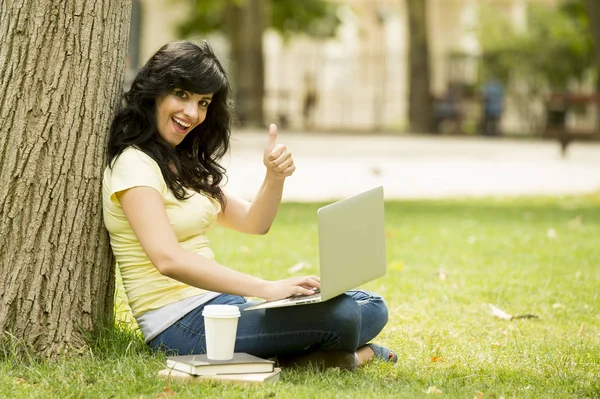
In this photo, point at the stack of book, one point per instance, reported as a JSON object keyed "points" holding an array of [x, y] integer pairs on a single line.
{"points": [[242, 369]]}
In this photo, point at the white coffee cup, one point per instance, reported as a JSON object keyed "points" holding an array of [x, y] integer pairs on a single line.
{"points": [[220, 327]]}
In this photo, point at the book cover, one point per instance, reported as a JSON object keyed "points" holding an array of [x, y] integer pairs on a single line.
{"points": [[238, 379], [200, 365]]}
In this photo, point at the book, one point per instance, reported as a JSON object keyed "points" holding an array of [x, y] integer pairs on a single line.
{"points": [[242, 363], [238, 379]]}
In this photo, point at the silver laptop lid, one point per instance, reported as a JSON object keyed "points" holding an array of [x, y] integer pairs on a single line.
{"points": [[351, 242]]}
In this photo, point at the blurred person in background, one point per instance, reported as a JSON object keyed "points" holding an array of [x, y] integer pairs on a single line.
{"points": [[492, 107]]}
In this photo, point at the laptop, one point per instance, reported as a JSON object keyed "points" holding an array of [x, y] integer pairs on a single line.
{"points": [[351, 248]]}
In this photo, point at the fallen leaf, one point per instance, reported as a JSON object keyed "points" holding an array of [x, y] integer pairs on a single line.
{"points": [[298, 266], [397, 265], [499, 313], [436, 359], [575, 222], [432, 390], [442, 274], [388, 234], [580, 333], [479, 395], [19, 380], [166, 393], [244, 249], [525, 316], [551, 234], [558, 306]]}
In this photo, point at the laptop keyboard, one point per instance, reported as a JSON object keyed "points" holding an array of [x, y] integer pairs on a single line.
{"points": [[298, 298]]}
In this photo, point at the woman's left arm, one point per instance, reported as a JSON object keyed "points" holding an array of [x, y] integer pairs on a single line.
{"points": [[256, 217]]}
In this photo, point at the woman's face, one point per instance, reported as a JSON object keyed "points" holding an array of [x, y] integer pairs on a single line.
{"points": [[178, 112]]}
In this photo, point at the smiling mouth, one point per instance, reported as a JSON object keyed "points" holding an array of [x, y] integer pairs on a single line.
{"points": [[180, 125]]}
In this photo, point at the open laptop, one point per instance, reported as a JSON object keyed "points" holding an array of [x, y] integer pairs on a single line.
{"points": [[351, 247]]}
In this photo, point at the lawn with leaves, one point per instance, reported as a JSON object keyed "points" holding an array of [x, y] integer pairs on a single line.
{"points": [[448, 261]]}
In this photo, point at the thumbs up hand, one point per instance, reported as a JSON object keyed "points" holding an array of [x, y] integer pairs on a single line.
{"points": [[277, 158]]}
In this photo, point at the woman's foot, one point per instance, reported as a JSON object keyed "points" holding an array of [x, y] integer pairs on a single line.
{"points": [[322, 360], [374, 351]]}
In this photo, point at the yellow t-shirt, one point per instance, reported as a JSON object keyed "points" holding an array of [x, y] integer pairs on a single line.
{"points": [[190, 219]]}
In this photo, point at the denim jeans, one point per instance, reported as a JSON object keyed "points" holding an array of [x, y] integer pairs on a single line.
{"points": [[343, 323]]}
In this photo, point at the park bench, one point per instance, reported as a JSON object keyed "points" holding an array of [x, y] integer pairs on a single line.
{"points": [[559, 106]]}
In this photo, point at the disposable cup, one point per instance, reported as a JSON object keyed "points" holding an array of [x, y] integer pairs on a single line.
{"points": [[220, 325]]}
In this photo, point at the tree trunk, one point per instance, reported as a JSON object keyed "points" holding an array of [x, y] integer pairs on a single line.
{"points": [[61, 70], [246, 25], [593, 9], [420, 105]]}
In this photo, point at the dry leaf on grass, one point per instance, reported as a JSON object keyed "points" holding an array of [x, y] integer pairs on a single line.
{"points": [[436, 359], [396, 265], [166, 393], [432, 390], [442, 274], [575, 222], [244, 249], [298, 266], [501, 314]]}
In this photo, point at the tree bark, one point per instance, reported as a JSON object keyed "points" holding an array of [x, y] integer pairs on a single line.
{"points": [[246, 25], [420, 105], [593, 9], [61, 72]]}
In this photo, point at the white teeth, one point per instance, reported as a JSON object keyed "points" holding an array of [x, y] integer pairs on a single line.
{"points": [[182, 123]]}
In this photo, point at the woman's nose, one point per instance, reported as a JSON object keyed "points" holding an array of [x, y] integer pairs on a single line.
{"points": [[191, 111]]}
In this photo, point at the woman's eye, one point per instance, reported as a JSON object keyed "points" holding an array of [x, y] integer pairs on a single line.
{"points": [[180, 93], [204, 103]]}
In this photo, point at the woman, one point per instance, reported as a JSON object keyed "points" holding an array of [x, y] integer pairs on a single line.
{"points": [[162, 192]]}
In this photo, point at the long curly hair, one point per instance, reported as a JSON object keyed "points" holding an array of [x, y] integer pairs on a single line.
{"points": [[194, 163]]}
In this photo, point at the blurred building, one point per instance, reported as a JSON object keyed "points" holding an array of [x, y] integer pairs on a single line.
{"points": [[357, 80]]}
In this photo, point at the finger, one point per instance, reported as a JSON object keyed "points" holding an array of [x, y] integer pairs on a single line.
{"points": [[313, 282], [288, 172], [277, 151], [285, 155], [272, 136], [305, 291], [283, 165]]}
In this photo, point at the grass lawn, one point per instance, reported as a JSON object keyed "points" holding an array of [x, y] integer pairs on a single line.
{"points": [[447, 262]]}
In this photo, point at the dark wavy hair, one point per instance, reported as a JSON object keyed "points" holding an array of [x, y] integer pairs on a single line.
{"points": [[195, 161]]}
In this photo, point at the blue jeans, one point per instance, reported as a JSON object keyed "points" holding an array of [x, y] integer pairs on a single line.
{"points": [[343, 323]]}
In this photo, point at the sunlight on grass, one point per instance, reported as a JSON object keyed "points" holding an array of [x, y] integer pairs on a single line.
{"points": [[447, 262]]}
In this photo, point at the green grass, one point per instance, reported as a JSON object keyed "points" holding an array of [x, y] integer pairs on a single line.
{"points": [[447, 261]]}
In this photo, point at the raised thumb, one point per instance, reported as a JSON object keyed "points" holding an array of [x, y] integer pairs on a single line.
{"points": [[272, 136]]}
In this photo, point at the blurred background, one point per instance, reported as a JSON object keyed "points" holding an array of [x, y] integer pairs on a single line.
{"points": [[493, 67]]}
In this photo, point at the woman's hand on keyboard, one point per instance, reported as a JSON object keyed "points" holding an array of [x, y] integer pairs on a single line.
{"points": [[305, 285]]}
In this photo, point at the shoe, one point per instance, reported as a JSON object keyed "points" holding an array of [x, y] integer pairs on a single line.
{"points": [[383, 353]]}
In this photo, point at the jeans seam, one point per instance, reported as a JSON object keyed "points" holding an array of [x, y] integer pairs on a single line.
{"points": [[184, 327]]}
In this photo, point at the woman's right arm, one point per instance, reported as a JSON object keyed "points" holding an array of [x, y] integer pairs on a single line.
{"points": [[145, 211]]}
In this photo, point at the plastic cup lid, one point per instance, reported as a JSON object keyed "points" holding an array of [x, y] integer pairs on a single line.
{"points": [[221, 311]]}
